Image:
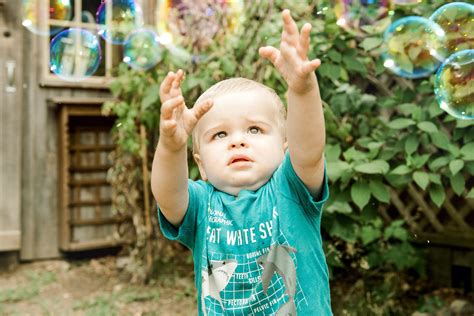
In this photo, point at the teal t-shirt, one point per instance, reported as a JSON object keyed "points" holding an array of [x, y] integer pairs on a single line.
{"points": [[260, 253]]}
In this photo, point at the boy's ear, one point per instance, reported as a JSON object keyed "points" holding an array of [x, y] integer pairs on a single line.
{"points": [[198, 160]]}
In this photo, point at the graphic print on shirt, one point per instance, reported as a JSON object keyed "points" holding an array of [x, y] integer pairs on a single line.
{"points": [[249, 270]]}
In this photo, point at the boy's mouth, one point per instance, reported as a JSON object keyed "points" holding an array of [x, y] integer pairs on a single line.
{"points": [[239, 158]]}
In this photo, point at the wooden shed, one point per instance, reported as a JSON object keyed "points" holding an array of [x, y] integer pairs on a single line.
{"points": [[54, 143]]}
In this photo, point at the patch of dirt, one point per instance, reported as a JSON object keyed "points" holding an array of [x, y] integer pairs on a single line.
{"points": [[92, 287]]}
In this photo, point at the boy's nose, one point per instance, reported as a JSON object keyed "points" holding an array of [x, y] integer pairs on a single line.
{"points": [[238, 142]]}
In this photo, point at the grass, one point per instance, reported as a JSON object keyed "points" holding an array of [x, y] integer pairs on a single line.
{"points": [[110, 304], [36, 281]]}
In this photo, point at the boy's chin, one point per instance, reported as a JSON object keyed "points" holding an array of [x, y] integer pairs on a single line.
{"points": [[239, 183]]}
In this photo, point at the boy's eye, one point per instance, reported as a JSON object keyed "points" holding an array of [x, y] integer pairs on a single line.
{"points": [[254, 130], [220, 135]]}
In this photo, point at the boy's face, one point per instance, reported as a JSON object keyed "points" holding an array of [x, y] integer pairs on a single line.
{"points": [[240, 141]]}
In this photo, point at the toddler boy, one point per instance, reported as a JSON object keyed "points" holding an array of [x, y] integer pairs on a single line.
{"points": [[253, 222]]}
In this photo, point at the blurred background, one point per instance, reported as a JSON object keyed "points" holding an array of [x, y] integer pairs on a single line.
{"points": [[79, 105]]}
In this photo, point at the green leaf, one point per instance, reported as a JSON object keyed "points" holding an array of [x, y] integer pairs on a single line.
{"points": [[334, 55], [411, 144], [370, 43], [400, 170], [332, 152], [440, 140], [151, 96], [379, 190], [360, 194], [422, 179], [369, 234], [427, 127], [228, 66], [116, 87], [468, 151], [373, 167], [354, 64], [419, 161], [339, 207], [458, 183], [353, 155], [344, 228], [396, 230], [329, 70], [470, 195], [437, 195], [435, 178], [400, 123], [456, 165], [336, 168], [438, 163]]}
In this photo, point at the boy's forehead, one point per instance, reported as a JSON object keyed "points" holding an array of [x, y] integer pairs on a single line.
{"points": [[248, 105]]}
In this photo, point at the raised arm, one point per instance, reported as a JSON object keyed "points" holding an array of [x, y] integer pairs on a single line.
{"points": [[169, 174], [305, 121]]}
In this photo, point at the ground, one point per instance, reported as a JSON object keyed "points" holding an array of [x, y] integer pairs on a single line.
{"points": [[100, 287], [92, 287]]}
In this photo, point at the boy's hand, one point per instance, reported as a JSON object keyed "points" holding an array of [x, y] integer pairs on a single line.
{"points": [[176, 120], [291, 60]]}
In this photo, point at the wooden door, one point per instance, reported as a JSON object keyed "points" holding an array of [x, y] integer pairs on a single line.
{"points": [[10, 125]]}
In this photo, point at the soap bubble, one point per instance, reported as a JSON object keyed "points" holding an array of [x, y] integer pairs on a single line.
{"points": [[197, 23], [454, 85], [75, 54], [411, 46], [34, 15], [117, 19], [142, 49], [406, 2], [352, 15], [457, 21]]}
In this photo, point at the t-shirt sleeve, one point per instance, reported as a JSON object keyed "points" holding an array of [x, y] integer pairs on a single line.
{"points": [[187, 231], [291, 186]]}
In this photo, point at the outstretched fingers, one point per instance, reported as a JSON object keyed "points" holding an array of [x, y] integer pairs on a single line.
{"points": [[165, 86], [169, 107], [310, 66], [269, 52], [290, 29], [303, 47], [202, 108]]}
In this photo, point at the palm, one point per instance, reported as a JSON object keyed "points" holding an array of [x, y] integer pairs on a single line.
{"points": [[177, 121], [291, 60]]}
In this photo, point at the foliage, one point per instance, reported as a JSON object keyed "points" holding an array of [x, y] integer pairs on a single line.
{"points": [[383, 131]]}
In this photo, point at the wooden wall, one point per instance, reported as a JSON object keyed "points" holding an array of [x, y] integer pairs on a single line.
{"points": [[39, 160], [40, 157], [11, 114]]}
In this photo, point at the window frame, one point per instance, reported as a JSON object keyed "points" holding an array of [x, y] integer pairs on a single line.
{"points": [[51, 80]]}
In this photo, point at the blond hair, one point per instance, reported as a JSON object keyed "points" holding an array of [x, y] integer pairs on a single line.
{"points": [[241, 85]]}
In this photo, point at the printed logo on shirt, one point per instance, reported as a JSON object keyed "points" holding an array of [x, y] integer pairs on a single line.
{"points": [[259, 282]]}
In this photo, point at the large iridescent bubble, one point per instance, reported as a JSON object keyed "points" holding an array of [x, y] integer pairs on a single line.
{"points": [[117, 19], [411, 45], [457, 21], [75, 54], [143, 50], [352, 15], [406, 2], [454, 85], [197, 22], [34, 15]]}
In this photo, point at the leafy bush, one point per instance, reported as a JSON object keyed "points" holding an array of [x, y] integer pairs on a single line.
{"points": [[383, 131]]}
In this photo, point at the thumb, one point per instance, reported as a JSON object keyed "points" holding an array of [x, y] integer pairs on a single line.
{"points": [[269, 52], [202, 108]]}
